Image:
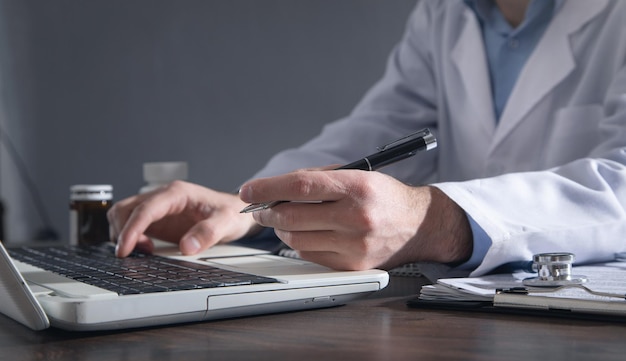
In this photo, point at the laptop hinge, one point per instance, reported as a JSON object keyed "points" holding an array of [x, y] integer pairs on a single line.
{"points": [[16, 299]]}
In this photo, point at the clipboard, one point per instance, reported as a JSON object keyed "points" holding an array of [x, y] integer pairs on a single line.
{"points": [[488, 307], [491, 294]]}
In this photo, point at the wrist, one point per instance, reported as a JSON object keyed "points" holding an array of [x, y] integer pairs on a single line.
{"points": [[445, 233]]}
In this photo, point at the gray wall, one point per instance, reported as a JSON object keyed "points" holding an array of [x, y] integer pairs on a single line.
{"points": [[92, 89]]}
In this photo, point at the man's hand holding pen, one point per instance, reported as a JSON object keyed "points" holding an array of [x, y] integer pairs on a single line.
{"points": [[364, 220]]}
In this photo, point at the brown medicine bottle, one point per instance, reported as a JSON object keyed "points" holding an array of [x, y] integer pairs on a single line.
{"points": [[89, 204]]}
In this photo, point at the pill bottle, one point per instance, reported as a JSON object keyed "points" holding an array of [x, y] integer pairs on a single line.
{"points": [[158, 174], [89, 204]]}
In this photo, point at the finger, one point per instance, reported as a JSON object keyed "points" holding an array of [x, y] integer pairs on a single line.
{"points": [[118, 214], [308, 185], [142, 243], [145, 245], [327, 167], [200, 237], [206, 233], [315, 241], [295, 216], [142, 216], [332, 249]]}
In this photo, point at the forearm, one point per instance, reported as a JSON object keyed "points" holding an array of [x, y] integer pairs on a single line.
{"points": [[446, 229]]}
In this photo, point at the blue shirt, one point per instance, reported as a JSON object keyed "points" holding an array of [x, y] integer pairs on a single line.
{"points": [[507, 50]]}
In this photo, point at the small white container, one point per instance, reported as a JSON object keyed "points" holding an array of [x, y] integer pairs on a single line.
{"points": [[158, 174]]}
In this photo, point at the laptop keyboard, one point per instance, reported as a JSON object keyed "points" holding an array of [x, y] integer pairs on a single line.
{"points": [[135, 274]]}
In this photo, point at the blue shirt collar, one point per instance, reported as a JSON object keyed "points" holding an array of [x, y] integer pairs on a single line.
{"points": [[484, 10]]}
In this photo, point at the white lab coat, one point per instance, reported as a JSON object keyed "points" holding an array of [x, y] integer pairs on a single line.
{"points": [[550, 175]]}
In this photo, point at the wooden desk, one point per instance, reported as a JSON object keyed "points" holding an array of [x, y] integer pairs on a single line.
{"points": [[376, 328]]}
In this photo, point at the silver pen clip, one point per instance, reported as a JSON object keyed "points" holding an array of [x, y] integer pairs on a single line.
{"points": [[424, 133]]}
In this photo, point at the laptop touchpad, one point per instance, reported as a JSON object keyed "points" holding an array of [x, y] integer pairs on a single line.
{"points": [[261, 261]]}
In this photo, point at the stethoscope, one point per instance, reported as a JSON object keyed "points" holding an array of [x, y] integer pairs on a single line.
{"points": [[554, 272]]}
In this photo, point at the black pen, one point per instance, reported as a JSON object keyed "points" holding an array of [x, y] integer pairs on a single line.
{"points": [[390, 153]]}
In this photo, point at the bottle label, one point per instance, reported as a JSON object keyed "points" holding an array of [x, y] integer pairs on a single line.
{"points": [[73, 227]]}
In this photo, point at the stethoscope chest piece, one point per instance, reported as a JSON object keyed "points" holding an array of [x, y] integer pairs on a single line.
{"points": [[553, 270]]}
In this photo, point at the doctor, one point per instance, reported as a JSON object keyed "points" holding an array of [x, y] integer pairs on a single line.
{"points": [[528, 103]]}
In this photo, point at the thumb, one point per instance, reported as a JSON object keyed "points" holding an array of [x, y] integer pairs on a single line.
{"points": [[199, 237]]}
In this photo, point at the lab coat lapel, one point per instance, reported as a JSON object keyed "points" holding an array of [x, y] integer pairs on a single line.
{"points": [[468, 56], [554, 59]]}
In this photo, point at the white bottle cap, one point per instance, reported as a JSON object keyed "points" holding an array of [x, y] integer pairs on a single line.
{"points": [[91, 192], [164, 172]]}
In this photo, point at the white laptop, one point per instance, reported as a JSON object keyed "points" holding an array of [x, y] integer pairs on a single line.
{"points": [[38, 297]]}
